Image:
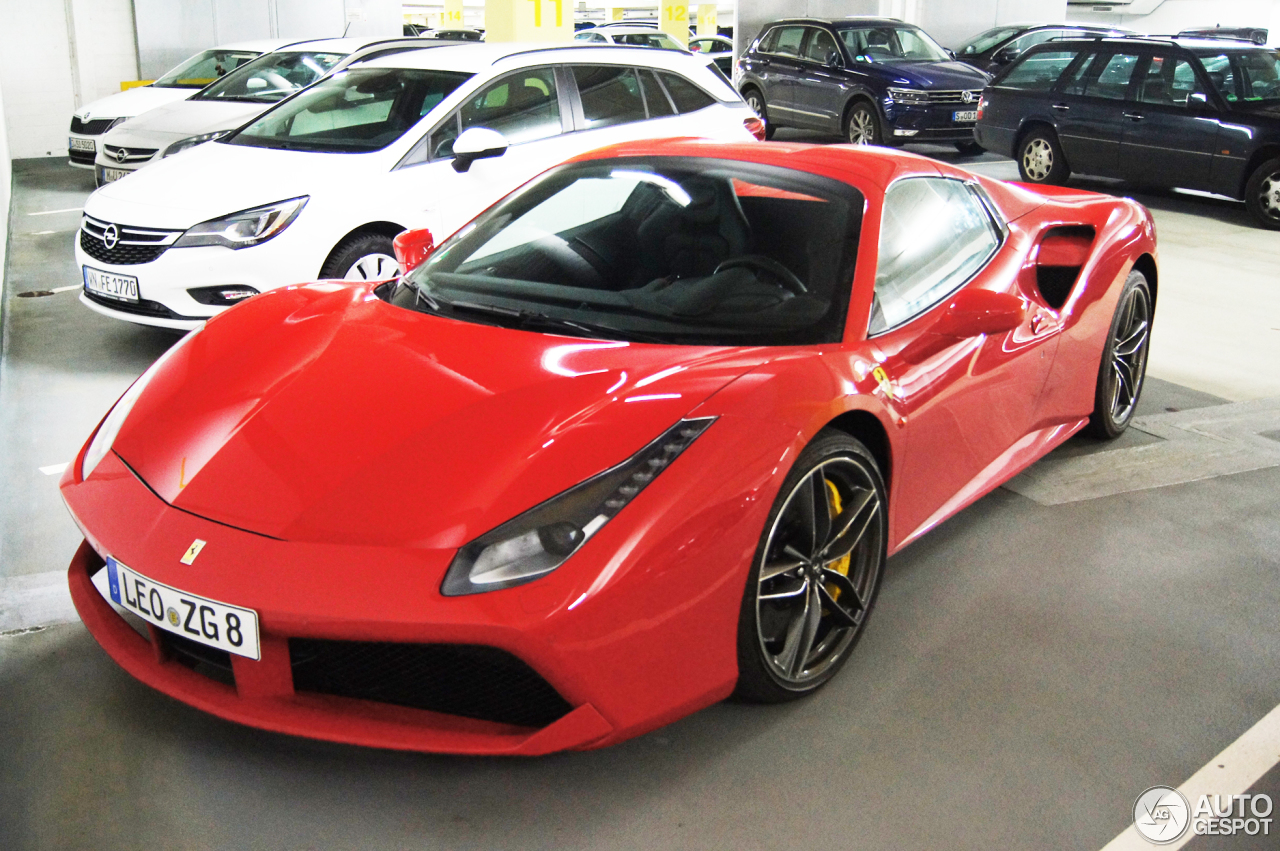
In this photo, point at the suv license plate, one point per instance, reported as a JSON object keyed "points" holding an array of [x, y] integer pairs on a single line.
{"points": [[967, 115], [120, 287], [198, 619], [82, 145]]}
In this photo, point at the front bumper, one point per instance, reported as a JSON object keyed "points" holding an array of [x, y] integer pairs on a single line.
{"points": [[927, 122]]}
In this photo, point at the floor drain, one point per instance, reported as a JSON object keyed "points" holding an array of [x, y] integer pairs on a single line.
{"points": [[35, 294]]}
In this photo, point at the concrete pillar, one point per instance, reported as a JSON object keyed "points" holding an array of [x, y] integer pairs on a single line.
{"points": [[707, 24], [528, 20], [673, 19]]}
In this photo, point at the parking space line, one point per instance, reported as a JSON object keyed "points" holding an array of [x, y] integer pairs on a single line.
{"points": [[1231, 772], [51, 212], [67, 289], [55, 469]]}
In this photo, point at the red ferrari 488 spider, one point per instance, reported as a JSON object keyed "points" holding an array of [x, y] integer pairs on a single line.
{"points": [[638, 438]]}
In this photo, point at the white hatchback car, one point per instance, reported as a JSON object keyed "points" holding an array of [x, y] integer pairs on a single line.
{"points": [[318, 186], [231, 101], [94, 119]]}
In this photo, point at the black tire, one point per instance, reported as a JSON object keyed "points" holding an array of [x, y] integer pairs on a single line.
{"points": [[1262, 194], [352, 259], [1040, 158], [791, 642], [970, 149], [862, 125], [1124, 360], [755, 100]]}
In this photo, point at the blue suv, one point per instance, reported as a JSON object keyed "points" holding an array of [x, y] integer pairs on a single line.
{"points": [[876, 81]]}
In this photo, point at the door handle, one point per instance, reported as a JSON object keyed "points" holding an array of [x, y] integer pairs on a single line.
{"points": [[1061, 107], [1133, 116]]}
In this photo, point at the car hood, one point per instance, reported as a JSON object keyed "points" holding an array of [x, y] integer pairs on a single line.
{"points": [[132, 102], [179, 191], [160, 127], [937, 75], [321, 413]]}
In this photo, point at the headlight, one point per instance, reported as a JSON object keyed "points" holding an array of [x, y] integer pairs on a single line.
{"points": [[248, 227], [544, 537], [908, 96], [114, 124], [191, 142], [106, 434]]}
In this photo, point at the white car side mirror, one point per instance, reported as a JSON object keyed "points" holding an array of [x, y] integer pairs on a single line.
{"points": [[477, 143]]}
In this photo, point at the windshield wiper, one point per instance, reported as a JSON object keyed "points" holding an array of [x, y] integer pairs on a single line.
{"points": [[420, 295], [526, 318]]}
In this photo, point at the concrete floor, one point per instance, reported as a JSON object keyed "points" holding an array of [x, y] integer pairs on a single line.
{"points": [[1030, 669]]}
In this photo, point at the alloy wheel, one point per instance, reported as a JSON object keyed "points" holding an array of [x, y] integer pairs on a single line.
{"points": [[1037, 158], [756, 103], [862, 128], [373, 267], [819, 569], [1129, 354], [1269, 195]]}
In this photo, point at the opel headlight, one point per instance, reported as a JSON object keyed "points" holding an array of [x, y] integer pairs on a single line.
{"points": [[191, 142], [248, 227], [908, 96], [544, 537], [106, 434]]}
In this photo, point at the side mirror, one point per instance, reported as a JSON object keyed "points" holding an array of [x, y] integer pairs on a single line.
{"points": [[833, 59], [950, 52], [477, 143], [971, 312], [412, 247], [1004, 56], [1198, 100]]}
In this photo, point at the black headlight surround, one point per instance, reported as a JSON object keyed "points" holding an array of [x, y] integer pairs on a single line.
{"points": [[553, 531]]}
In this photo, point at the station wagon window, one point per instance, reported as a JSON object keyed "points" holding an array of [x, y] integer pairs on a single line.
{"points": [[1220, 72], [821, 46], [685, 95], [1168, 81], [1107, 76], [523, 107], [1039, 71], [787, 41], [610, 95], [935, 234]]}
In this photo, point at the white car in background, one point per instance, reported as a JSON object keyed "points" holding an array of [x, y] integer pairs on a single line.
{"points": [[231, 101], [94, 119], [633, 35], [319, 185]]}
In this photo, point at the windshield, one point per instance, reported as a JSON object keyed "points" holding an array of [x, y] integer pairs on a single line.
{"points": [[272, 77], [203, 68], [674, 250], [891, 44], [353, 111], [1259, 78], [983, 42]]}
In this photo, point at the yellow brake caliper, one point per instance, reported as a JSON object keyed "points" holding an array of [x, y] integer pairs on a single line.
{"points": [[840, 565]]}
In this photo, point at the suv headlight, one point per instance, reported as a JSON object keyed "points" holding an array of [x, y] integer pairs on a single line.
{"points": [[908, 96], [106, 433], [545, 536], [248, 227], [191, 142]]}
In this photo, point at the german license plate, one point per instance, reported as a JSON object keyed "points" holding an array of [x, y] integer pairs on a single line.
{"points": [[199, 619], [121, 287], [110, 175], [966, 115], [82, 145]]}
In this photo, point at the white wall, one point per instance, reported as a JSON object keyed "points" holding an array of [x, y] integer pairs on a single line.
{"points": [[35, 73], [105, 49], [1173, 15], [6, 179]]}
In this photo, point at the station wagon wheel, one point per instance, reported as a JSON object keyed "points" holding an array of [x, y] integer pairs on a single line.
{"points": [[755, 100], [862, 125], [1040, 159], [815, 574], [362, 257], [1124, 360], [1262, 194]]}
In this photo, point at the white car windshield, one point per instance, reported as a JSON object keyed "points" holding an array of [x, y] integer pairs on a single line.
{"points": [[693, 251], [272, 77], [353, 111], [204, 68]]}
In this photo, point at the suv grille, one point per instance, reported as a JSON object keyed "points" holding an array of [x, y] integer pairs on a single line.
{"points": [[90, 128], [957, 97], [456, 679], [130, 155], [131, 245]]}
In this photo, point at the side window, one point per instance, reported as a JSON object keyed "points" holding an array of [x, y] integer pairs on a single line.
{"points": [[1259, 75], [821, 47], [1222, 75], [523, 107], [1168, 81], [934, 235], [655, 99], [1107, 76], [610, 95], [592, 37], [768, 41], [1039, 71], [787, 42], [685, 95]]}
